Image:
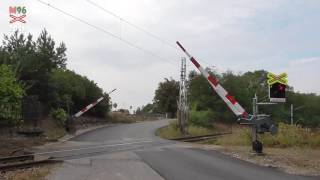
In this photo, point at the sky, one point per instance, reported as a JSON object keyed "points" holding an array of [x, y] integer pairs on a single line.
{"points": [[243, 35]]}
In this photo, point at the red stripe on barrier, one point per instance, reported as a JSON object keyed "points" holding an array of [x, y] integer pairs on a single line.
{"points": [[84, 109], [181, 46], [93, 104], [195, 62], [231, 99], [245, 114], [213, 80]]}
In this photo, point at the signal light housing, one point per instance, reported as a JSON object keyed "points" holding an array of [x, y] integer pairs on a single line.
{"points": [[277, 92]]}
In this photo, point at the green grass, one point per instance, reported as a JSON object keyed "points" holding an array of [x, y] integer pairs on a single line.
{"points": [[55, 133], [171, 131], [287, 136]]}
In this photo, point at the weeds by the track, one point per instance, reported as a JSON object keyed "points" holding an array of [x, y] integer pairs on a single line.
{"points": [[171, 131]]}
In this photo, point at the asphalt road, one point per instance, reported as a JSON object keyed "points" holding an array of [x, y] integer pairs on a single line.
{"points": [[132, 151]]}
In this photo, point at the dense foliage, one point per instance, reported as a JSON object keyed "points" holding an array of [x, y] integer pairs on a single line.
{"points": [[11, 93], [149, 108], [72, 92], [205, 103], [166, 96], [59, 115], [207, 107], [11, 90], [40, 66]]}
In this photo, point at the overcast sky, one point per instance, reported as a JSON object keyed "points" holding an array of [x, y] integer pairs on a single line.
{"points": [[243, 35]]}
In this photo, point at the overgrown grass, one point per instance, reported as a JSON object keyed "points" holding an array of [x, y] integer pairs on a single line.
{"points": [[35, 173], [287, 136], [171, 131], [53, 129], [55, 133]]}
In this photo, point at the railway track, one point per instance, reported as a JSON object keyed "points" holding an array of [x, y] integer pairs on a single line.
{"points": [[200, 138], [23, 161], [26, 161], [29, 160]]}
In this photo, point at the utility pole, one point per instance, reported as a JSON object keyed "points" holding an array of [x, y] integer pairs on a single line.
{"points": [[182, 103]]}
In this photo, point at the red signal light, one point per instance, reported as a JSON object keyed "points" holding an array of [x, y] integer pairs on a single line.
{"points": [[277, 92], [281, 87]]}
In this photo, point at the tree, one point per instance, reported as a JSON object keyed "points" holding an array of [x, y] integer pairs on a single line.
{"points": [[206, 106], [72, 92], [10, 89], [11, 93], [147, 108], [33, 61], [138, 110], [166, 97], [40, 66]]}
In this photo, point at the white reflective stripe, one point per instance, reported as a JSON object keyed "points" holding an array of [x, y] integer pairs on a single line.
{"points": [[100, 99], [230, 105], [239, 108], [78, 114], [204, 72], [221, 91], [236, 108], [88, 107]]}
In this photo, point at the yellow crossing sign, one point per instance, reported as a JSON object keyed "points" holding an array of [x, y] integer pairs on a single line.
{"points": [[281, 78]]}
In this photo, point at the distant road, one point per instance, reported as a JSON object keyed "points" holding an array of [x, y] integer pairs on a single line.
{"points": [[132, 151]]}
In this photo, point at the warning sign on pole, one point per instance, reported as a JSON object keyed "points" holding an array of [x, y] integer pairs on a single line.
{"points": [[277, 87]]}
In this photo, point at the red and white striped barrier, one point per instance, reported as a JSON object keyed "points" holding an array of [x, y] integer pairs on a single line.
{"points": [[226, 97], [78, 114]]}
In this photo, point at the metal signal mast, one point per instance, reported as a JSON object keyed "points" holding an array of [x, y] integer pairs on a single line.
{"points": [[182, 103]]}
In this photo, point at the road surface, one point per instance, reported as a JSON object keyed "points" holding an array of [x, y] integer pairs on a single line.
{"points": [[132, 151]]}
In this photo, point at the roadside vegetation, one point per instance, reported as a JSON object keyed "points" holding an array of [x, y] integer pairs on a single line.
{"points": [[120, 117], [34, 173], [171, 131], [294, 149], [287, 136], [37, 68], [206, 107]]}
